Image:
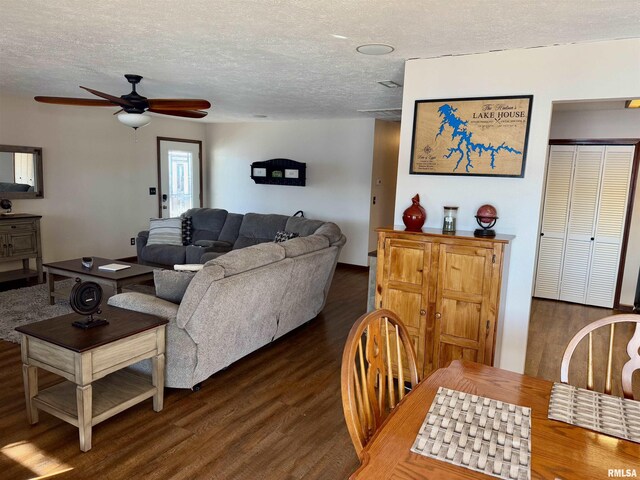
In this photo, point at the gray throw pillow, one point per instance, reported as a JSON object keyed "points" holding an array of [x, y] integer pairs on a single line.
{"points": [[171, 285], [165, 231]]}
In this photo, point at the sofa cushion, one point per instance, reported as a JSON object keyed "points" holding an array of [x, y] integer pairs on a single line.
{"points": [[283, 236], [238, 261], [331, 231], [193, 253], [231, 228], [303, 226], [187, 230], [259, 228], [164, 254], [207, 223], [171, 285], [301, 245], [165, 231]]}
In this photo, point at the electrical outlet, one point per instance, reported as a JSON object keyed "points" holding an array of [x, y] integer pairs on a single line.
{"points": [[133, 241]]}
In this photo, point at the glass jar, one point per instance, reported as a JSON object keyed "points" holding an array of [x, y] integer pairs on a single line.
{"points": [[449, 222]]}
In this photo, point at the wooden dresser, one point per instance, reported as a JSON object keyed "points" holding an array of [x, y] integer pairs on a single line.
{"points": [[445, 289], [20, 240]]}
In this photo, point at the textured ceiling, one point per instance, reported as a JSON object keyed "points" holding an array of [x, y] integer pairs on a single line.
{"points": [[273, 57]]}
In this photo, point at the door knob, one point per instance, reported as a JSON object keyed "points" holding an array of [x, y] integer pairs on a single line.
{"points": [[438, 315], [423, 312]]}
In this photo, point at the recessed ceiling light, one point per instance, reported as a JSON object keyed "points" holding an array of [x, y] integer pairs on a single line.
{"points": [[375, 49], [390, 84], [341, 37], [633, 103], [259, 116]]}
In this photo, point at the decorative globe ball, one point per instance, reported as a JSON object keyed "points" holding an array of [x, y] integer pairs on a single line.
{"points": [[5, 204], [487, 213]]}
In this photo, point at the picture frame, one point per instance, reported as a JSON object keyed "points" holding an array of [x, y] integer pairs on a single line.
{"points": [[480, 136]]}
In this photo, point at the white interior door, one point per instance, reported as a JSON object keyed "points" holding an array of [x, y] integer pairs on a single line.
{"points": [[179, 174], [554, 221], [582, 222], [609, 232]]}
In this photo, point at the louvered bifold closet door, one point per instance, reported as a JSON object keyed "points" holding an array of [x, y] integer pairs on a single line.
{"points": [[612, 206], [554, 221], [582, 222]]}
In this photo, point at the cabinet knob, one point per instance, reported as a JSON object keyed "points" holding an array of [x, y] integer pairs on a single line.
{"points": [[13, 226], [438, 315], [423, 312]]}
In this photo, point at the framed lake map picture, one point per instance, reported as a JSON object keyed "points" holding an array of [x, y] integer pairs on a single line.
{"points": [[471, 136]]}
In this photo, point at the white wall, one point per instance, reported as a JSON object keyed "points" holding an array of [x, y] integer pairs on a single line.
{"points": [[97, 174], [383, 177], [338, 154], [608, 124], [604, 70]]}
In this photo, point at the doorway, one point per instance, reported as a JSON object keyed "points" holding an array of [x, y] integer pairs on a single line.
{"points": [[179, 176]]}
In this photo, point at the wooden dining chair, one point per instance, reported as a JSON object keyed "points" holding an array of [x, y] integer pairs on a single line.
{"points": [[373, 373], [632, 350]]}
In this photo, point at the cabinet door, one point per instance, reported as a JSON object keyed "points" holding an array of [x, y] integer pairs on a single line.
{"points": [[22, 243], [465, 312], [403, 288], [4, 250]]}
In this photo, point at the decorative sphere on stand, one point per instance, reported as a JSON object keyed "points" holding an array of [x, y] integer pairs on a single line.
{"points": [[486, 218]]}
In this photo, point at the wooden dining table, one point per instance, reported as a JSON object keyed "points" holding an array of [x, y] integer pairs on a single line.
{"points": [[558, 450]]}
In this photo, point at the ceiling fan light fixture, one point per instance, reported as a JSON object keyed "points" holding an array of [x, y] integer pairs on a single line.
{"points": [[134, 120]]}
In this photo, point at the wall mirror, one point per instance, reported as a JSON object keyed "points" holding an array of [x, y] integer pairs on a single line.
{"points": [[20, 172]]}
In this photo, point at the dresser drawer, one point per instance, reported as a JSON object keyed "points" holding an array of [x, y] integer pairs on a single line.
{"points": [[18, 226]]}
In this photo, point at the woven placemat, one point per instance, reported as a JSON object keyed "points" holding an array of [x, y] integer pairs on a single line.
{"points": [[477, 433], [615, 416]]}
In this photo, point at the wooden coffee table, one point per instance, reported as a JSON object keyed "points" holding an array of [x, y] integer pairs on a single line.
{"points": [[92, 362], [113, 280]]}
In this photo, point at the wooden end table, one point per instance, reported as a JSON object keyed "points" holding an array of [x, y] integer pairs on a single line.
{"points": [[113, 280], [92, 362]]}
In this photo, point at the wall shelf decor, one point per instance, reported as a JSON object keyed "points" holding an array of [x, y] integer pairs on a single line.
{"points": [[279, 171]]}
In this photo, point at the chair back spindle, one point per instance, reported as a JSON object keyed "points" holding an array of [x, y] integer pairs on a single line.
{"points": [[628, 368], [373, 379]]}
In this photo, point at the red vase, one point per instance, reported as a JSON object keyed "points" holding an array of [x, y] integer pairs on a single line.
{"points": [[414, 216]]}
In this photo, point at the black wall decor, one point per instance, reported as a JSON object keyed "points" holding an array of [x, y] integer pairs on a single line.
{"points": [[279, 171]]}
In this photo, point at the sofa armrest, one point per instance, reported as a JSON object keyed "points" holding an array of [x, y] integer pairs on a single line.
{"points": [[141, 242], [143, 303]]}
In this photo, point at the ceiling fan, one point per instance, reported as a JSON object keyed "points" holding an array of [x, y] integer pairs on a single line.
{"points": [[133, 105]]}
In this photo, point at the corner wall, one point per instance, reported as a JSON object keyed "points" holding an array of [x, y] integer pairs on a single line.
{"points": [[606, 124], [603, 70], [97, 174], [338, 154]]}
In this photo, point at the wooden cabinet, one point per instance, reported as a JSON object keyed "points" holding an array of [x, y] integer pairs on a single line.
{"points": [[445, 289], [20, 241]]}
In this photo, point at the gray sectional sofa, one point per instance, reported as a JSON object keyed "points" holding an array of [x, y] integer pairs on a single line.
{"points": [[216, 231], [243, 299]]}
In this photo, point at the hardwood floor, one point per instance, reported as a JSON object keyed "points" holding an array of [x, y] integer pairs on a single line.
{"points": [[551, 327], [276, 414]]}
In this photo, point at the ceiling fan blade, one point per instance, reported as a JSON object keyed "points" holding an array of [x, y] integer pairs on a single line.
{"points": [[180, 113], [86, 102], [178, 103], [117, 100]]}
